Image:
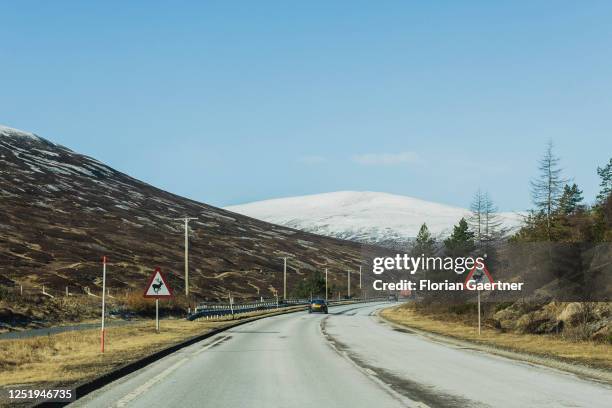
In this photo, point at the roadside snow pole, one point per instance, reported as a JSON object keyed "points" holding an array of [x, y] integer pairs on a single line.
{"points": [[103, 302], [360, 277], [231, 304]]}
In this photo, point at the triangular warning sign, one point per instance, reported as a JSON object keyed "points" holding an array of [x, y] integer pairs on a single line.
{"points": [[157, 286], [479, 274]]}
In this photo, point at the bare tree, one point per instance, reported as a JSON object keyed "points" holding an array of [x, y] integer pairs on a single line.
{"points": [[476, 219], [491, 222], [546, 190], [484, 220]]}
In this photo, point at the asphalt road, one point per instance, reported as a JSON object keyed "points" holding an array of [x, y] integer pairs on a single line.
{"points": [[345, 359]]}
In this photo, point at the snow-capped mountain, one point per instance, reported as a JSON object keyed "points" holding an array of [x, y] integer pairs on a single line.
{"points": [[362, 216]]}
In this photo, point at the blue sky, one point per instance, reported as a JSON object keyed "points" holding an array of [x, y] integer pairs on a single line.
{"points": [[230, 102]]}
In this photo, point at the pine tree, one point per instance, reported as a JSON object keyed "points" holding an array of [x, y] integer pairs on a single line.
{"points": [[461, 241], [606, 182], [533, 229], [570, 201], [424, 243], [547, 189], [602, 211]]}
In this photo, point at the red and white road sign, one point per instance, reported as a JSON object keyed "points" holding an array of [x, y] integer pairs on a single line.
{"points": [[478, 275], [158, 286]]}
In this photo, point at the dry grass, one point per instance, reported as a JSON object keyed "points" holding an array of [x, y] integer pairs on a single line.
{"points": [[585, 352], [73, 356], [70, 357]]}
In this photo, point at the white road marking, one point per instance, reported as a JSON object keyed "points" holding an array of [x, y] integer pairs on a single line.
{"points": [[146, 386], [203, 349]]}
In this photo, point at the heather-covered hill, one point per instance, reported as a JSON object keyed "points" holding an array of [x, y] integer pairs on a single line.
{"points": [[61, 211]]}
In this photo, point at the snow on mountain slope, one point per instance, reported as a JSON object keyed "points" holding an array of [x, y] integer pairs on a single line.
{"points": [[7, 131], [361, 216], [60, 211]]}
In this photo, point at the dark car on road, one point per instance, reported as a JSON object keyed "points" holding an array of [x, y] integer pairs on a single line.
{"points": [[317, 305]]}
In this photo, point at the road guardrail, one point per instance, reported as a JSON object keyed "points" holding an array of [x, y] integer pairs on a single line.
{"points": [[216, 310]]}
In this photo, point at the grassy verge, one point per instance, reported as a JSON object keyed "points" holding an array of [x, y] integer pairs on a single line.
{"points": [[73, 357], [585, 352]]}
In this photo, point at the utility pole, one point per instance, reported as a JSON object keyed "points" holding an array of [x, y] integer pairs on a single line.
{"points": [[348, 273], [102, 332], [231, 302], [186, 221], [285, 278], [325, 285]]}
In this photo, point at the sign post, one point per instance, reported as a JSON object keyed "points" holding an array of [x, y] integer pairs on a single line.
{"points": [[157, 315], [477, 275], [479, 312], [103, 302], [157, 288]]}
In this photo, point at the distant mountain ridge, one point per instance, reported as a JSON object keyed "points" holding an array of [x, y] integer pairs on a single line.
{"points": [[362, 216]]}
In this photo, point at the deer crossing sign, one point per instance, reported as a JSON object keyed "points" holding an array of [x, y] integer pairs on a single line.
{"points": [[158, 286]]}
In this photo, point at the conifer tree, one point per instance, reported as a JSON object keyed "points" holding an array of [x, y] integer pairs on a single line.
{"points": [[605, 173], [602, 211], [570, 199], [461, 241], [424, 243], [547, 189]]}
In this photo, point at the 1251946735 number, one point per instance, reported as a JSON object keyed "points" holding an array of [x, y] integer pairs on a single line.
{"points": [[59, 394]]}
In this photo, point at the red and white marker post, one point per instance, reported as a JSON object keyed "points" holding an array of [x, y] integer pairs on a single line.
{"points": [[103, 302]]}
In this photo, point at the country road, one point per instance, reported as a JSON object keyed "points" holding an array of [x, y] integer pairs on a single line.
{"points": [[345, 359]]}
